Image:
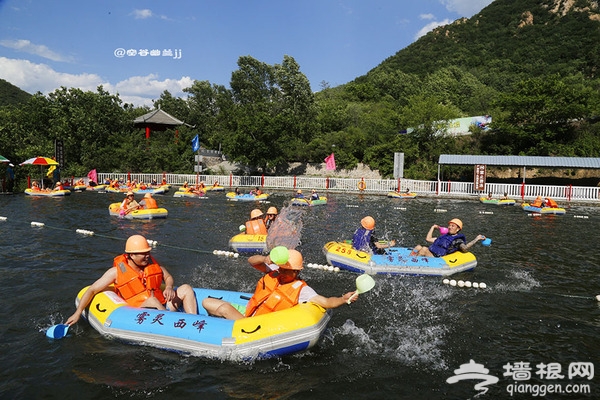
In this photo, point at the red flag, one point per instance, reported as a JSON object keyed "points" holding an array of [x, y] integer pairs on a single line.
{"points": [[330, 162], [93, 176]]}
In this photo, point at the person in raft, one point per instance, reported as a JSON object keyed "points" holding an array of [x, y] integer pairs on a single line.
{"points": [[129, 204], [137, 278], [314, 195], [279, 289], [148, 202], [256, 224], [446, 244], [364, 240], [270, 217]]}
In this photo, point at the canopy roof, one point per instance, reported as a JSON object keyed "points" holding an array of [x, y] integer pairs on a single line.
{"points": [[521, 161], [157, 118]]}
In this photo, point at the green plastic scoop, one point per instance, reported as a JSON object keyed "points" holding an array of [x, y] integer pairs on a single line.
{"points": [[364, 283]]}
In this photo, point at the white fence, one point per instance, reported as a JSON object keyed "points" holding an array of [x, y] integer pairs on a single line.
{"points": [[373, 186]]}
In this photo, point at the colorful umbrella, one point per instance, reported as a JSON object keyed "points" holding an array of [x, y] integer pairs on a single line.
{"points": [[41, 161], [4, 160]]}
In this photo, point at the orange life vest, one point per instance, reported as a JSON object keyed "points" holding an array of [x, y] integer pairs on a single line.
{"points": [[136, 287], [537, 202], [551, 203], [270, 296], [256, 227], [150, 203]]}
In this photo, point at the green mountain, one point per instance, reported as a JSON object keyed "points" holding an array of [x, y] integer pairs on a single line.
{"points": [[508, 41], [11, 95]]}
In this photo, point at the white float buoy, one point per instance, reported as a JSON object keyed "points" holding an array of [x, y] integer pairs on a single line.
{"points": [[235, 255], [460, 283], [40, 224], [446, 281], [475, 284], [452, 282], [2, 218], [482, 285], [598, 297], [467, 283], [337, 269]]}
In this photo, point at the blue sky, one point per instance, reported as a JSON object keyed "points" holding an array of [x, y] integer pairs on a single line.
{"points": [[138, 48]]}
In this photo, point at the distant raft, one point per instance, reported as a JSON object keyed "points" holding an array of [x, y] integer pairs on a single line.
{"points": [[308, 202], [47, 192], [246, 197], [151, 213], [498, 202], [396, 261], [181, 193], [543, 210], [403, 195], [244, 243], [269, 335]]}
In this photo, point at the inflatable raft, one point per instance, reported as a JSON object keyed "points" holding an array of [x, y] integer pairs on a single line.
{"points": [[215, 188], [498, 202], [181, 193], [397, 260], [152, 213], [402, 195], [152, 190], [47, 193], [97, 188], [307, 202], [543, 210], [244, 243], [268, 335], [246, 197]]}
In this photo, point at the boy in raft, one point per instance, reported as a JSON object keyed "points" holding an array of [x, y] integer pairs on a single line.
{"points": [[446, 244], [129, 204], [137, 278], [279, 289], [270, 217], [364, 240]]}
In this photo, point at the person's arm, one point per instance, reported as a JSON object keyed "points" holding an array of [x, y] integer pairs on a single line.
{"points": [[465, 247], [260, 262], [101, 284], [333, 302], [430, 237], [169, 292]]}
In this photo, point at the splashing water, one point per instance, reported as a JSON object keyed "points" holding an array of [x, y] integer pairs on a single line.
{"points": [[286, 229]]}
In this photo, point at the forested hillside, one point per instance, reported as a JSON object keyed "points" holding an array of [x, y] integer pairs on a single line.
{"points": [[530, 64], [11, 95]]}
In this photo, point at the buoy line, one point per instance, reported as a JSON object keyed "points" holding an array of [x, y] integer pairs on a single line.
{"points": [[482, 285], [153, 243]]}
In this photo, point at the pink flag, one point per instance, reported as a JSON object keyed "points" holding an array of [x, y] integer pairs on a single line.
{"points": [[330, 162], [93, 176]]}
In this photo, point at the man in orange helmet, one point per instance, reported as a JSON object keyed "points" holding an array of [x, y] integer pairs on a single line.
{"points": [[279, 289], [270, 217], [137, 278], [364, 240], [448, 243], [256, 225]]}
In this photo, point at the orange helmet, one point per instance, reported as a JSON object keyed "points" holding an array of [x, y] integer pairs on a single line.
{"points": [[299, 191], [137, 244], [457, 222], [272, 210], [255, 213], [294, 261], [368, 223], [147, 196]]}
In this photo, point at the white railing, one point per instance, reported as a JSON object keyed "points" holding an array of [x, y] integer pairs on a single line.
{"points": [[372, 186]]}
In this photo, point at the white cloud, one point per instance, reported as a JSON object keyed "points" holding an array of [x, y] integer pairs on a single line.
{"points": [[427, 16], [142, 14], [37, 49], [431, 26], [137, 90], [466, 8]]}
